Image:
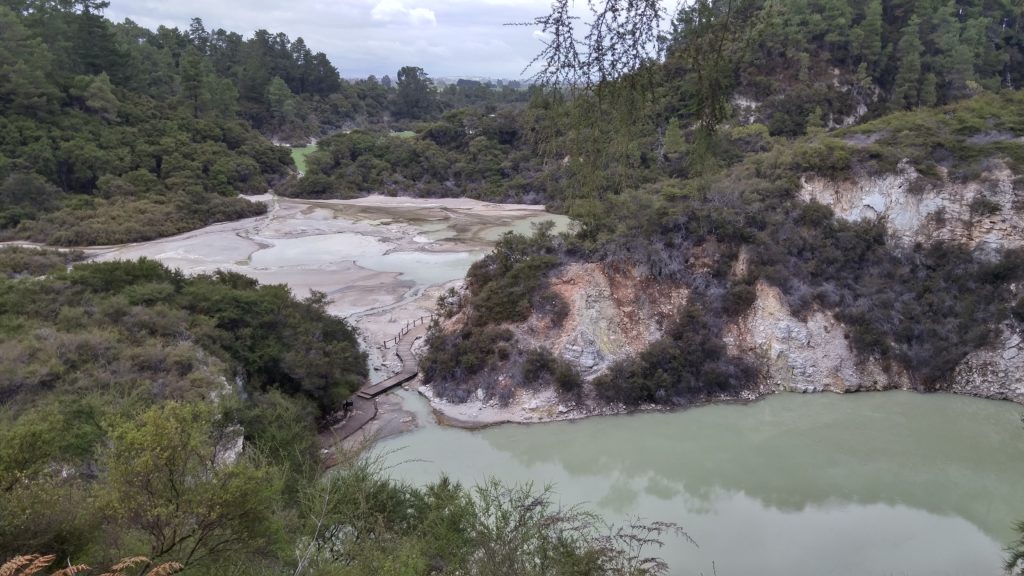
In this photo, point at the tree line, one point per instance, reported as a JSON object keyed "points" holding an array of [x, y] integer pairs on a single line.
{"points": [[111, 133]]}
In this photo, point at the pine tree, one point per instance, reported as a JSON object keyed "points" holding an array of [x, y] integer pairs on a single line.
{"points": [[95, 47], [674, 142], [908, 75], [416, 97], [24, 67], [198, 36], [928, 93], [192, 78], [99, 97], [945, 56], [838, 20], [282, 101], [870, 33]]}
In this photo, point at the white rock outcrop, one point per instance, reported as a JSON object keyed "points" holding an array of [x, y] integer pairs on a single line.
{"points": [[612, 315], [996, 372], [919, 210], [811, 355]]}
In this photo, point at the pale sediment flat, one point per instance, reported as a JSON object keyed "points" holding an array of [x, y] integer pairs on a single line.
{"points": [[382, 261]]}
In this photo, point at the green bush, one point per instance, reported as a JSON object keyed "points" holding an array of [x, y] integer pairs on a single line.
{"points": [[506, 283], [452, 360], [689, 364], [541, 367], [549, 303]]}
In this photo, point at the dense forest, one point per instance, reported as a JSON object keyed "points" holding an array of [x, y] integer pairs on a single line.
{"points": [[113, 133], [765, 69]]}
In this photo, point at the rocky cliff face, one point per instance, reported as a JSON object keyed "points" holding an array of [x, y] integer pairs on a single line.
{"points": [[615, 314], [986, 214], [996, 372], [811, 355], [814, 355], [612, 315]]}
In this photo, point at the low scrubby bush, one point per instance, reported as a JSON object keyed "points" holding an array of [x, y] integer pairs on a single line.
{"points": [[689, 364], [541, 367]]}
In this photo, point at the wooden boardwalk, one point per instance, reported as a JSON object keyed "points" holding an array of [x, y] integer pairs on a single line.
{"points": [[364, 405], [362, 412], [409, 369]]}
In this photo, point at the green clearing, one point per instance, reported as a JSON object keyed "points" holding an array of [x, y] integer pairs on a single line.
{"points": [[299, 156]]}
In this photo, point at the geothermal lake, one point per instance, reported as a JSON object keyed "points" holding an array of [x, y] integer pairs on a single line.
{"points": [[890, 483], [885, 483]]}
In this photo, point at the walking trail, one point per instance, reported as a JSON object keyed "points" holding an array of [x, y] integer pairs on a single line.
{"points": [[364, 403]]}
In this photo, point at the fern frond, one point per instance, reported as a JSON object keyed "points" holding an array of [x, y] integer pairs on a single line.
{"points": [[166, 569], [15, 564], [38, 565]]}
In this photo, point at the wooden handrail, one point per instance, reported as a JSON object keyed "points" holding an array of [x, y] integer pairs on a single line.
{"points": [[409, 325]]}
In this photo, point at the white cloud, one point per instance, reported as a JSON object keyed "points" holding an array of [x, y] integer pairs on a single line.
{"points": [[391, 11], [423, 16], [387, 10]]}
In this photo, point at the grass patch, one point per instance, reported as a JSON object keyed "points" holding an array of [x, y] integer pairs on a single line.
{"points": [[960, 136], [299, 156]]}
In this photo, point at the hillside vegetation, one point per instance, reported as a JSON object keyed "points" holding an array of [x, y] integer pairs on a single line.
{"points": [[674, 174], [146, 413]]}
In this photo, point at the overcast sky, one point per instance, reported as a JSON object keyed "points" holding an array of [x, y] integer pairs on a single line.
{"points": [[362, 37]]}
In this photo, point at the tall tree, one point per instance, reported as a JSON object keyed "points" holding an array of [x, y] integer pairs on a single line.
{"points": [[99, 97], [712, 38], [838, 16], [192, 80], [870, 35], [415, 97], [908, 76], [326, 79], [282, 101], [25, 64], [198, 36], [95, 45]]}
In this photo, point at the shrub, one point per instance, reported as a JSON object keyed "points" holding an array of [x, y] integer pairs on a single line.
{"points": [[537, 364], [738, 299], [453, 359], [566, 378], [981, 207], [690, 363], [541, 367], [551, 304]]}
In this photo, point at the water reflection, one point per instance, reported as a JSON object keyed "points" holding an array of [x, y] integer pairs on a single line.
{"points": [[883, 483]]}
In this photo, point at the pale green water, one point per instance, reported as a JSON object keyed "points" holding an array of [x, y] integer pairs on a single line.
{"points": [[525, 226], [892, 483], [424, 268]]}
